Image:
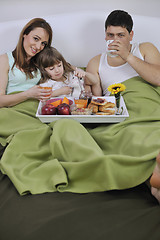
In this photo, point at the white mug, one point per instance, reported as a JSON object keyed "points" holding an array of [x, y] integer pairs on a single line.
{"points": [[109, 52]]}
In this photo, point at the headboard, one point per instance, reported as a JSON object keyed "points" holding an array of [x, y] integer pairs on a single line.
{"points": [[80, 35]]}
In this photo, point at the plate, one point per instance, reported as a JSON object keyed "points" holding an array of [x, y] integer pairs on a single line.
{"points": [[56, 99], [87, 118]]}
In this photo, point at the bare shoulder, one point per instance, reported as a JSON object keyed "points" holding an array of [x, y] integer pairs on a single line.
{"points": [[94, 63], [150, 52], [4, 68], [4, 57], [147, 46], [4, 63], [95, 59]]}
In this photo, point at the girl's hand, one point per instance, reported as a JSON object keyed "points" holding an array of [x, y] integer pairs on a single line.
{"points": [[79, 73], [66, 90]]}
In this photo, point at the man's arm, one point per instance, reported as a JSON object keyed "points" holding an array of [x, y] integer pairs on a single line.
{"points": [[149, 69], [93, 78]]}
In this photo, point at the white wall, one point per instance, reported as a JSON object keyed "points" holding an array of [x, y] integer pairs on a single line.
{"points": [[19, 9]]}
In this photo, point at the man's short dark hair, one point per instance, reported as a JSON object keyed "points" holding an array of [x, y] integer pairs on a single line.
{"points": [[119, 18]]}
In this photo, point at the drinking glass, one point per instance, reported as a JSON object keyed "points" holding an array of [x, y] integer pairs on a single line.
{"points": [[46, 86], [86, 95]]}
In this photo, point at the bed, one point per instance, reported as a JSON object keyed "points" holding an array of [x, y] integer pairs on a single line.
{"points": [[73, 203]]}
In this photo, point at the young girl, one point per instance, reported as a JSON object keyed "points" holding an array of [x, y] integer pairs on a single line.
{"points": [[65, 80]]}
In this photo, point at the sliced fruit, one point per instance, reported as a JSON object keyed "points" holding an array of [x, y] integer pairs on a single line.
{"points": [[56, 99], [56, 103], [65, 100]]}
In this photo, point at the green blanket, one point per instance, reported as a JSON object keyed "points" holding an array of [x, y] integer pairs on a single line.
{"points": [[68, 156]]}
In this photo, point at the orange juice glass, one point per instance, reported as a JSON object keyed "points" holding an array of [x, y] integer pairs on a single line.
{"points": [[46, 86], [81, 103]]}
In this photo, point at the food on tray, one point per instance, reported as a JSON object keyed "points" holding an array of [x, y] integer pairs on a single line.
{"points": [[65, 106], [57, 106], [48, 109], [106, 113], [63, 109], [101, 107], [56, 103], [65, 100], [109, 111], [99, 101], [81, 103], [61, 99], [81, 111], [109, 107], [93, 107]]}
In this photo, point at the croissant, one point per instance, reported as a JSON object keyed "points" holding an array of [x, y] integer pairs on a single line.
{"points": [[93, 107], [109, 108], [103, 108], [106, 111]]}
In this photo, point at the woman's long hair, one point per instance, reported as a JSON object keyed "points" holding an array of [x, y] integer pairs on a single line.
{"points": [[19, 53], [48, 58]]}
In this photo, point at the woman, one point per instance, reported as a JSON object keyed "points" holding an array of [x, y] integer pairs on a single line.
{"points": [[18, 72]]}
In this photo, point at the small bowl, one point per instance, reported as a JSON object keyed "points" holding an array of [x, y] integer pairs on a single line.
{"points": [[81, 111]]}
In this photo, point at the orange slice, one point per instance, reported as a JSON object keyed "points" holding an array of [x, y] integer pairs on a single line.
{"points": [[56, 103], [65, 100]]}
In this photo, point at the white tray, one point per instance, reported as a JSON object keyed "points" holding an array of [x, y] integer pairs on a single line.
{"points": [[88, 118]]}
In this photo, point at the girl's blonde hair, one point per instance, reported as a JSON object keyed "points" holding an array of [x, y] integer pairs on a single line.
{"points": [[19, 53], [48, 58]]}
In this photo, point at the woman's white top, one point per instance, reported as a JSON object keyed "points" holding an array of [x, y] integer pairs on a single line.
{"points": [[110, 75]]}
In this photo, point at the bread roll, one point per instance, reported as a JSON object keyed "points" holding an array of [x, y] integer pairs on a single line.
{"points": [[108, 105], [111, 111], [93, 107], [99, 101]]}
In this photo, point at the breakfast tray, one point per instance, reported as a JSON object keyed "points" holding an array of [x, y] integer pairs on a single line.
{"points": [[88, 118]]}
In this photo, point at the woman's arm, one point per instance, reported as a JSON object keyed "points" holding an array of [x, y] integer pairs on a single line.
{"points": [[13, 99]]}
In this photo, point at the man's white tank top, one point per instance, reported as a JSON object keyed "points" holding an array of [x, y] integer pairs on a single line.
{"points": [[110, 75]]}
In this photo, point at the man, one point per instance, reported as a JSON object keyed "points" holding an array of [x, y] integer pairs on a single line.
{"points": [[127, 61]]}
